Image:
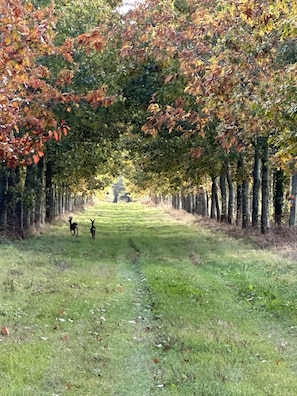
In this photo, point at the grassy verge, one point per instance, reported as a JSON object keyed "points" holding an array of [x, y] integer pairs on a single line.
{"points": [[155, 305]]}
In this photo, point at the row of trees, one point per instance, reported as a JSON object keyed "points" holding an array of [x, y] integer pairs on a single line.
{"points": [[53, 97], [194, 100], [224, 116]]}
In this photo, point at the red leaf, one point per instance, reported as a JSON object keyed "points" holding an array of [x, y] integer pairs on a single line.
{"points": [[4, 331], [36, 159]]}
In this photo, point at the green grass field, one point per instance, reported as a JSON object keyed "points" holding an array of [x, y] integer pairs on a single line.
{"points": [[156, 304]]}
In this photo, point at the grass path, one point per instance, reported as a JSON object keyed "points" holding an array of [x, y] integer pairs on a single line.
{"points": [[155, 305]]}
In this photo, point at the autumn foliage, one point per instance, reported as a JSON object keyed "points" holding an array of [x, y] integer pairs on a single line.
{"points": [[220, 58], [28, 90]]}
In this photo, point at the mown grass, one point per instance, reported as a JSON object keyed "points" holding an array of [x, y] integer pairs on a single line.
{"points": [[155, 305]]}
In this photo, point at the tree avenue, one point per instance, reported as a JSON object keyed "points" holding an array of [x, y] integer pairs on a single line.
{"points": [[189, 100], [230, 88], [36, 91]]}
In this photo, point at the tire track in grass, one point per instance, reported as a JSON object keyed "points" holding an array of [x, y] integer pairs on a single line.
{"points": [[147, 330]]}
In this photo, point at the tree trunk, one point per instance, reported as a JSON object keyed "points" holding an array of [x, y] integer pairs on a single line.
{"points": [[29, 195], [231, 196], [278, 196], [39, 214], [3, 197], [256, 186], [215, 205], [239, 192], [223, 188], [201, 203], [14, 202], [239, 203], [292, 219], [49, 188], [265, 187], [245, 204]]}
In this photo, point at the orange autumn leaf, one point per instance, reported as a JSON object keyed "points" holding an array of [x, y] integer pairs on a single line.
{"points": [[57, 137], [36, 158], [4, 331]]}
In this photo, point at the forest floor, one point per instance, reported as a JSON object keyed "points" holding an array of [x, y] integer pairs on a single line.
{"points": [[281, 240]]}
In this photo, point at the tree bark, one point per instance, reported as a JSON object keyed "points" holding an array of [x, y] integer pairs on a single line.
{"points": [[292, 218], [3, 197], [231, 196], [215, 205], [223, 188], [256, 186], [238, 203], [245, 204], [265, 187], [39, 214], [14, 202], [278, 197], [50, 193], [29, 195]]}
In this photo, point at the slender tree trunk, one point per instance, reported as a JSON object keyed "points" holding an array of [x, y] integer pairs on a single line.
{"points": [[49, 188], [256, 186], [192, 205], [238, 203], [39, 214], [265, 187], [245, 204], [3, 197], [231, 196], [14, 202], [293, 211], [201, 203], [278, 196], [29, 195], [239, 190], [173, 201], [223, 188], [215, 205], [19, 203]]}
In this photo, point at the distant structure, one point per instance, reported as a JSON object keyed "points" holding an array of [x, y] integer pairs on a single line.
{"points": [[119, 192]]}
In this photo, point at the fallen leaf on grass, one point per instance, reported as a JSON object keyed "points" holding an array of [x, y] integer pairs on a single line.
{"points": [[4, 331], [156, 360]]}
